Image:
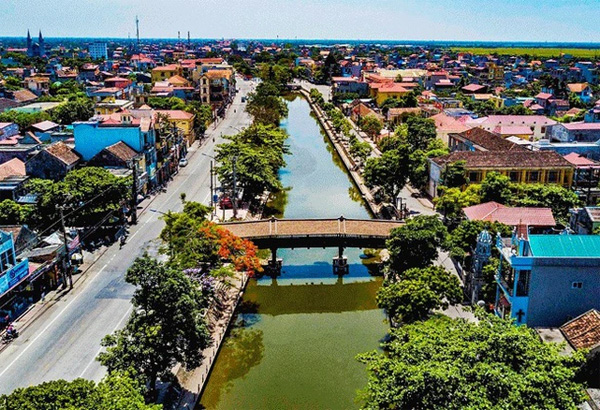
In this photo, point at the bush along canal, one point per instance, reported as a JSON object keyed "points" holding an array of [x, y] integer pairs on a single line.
{"points": [[295, 339]]}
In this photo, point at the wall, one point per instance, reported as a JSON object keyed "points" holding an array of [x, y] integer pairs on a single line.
{"points": [[552, 301], [91, 139]]}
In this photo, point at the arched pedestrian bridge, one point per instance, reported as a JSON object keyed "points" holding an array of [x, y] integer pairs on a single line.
{"points": [[314, 233]]}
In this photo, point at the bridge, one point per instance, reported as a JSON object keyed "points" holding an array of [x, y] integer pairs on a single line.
{"points": [[314, 233]]}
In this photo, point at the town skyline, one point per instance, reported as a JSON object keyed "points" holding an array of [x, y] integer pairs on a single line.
{"points": [[465, 20]]}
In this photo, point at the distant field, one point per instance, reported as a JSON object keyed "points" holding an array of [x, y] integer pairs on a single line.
{"points": [[537, 52]]}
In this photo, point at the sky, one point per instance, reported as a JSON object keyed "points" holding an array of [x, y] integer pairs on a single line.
{"points": [[465, 20]]}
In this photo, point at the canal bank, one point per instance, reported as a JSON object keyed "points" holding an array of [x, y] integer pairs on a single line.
{"points": [[294, 342]]}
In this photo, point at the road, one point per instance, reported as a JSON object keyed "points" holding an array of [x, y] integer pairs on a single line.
{"points": [[64, 342]]}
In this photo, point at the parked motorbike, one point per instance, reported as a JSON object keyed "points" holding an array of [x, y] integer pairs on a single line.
{"points": [[10, 335]]}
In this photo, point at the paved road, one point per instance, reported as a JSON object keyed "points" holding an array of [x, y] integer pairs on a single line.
{"points": [[63, 343]]}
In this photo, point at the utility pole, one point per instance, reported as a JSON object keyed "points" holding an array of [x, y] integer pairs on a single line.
{"points": [[66, 264], [212, 188], [137, 31], [134, 193], [234, 203]]}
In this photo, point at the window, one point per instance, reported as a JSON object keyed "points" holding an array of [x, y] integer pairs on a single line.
{"points": [[474, 176], [534, 176], [576, 285], [514, 176], [552, 176]]}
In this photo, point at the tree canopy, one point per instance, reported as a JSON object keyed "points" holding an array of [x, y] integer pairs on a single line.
{"points": [[390, 171], [117, 391], [454, 364], [265, 104]]}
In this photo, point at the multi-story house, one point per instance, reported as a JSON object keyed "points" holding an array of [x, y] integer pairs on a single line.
{"points": [[100, 132], [546, 280]]}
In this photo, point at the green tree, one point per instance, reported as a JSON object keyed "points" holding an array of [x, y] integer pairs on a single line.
{"points": [[166, 326], [415, 293], [553, 196], [360, 149], [80, 109], [455, 364], [24, 119], [416, 244], [420, 132], [495, 187], [371, 125], [390, 171], [464, 236], [203, 116], [11, 213], [451, 201], [117, 391], [454, 175], [265, 104], [167, 103]]}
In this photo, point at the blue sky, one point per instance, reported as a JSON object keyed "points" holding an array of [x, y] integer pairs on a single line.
{"points": [[503, 20]]}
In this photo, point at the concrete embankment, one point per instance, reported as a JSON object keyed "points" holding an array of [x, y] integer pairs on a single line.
{"points": [[349, 163]]}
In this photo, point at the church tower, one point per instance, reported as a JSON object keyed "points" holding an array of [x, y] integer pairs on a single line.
{"points": [[42, 50], [29, 44]]}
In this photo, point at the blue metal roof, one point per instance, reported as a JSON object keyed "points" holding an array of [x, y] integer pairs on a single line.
{"points": [[565, 246]]}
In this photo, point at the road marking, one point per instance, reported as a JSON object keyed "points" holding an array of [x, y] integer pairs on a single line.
{"points": [[49, 325], [129, 309]]}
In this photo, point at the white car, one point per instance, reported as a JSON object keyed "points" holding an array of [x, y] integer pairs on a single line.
{"points": [[183, 162]]}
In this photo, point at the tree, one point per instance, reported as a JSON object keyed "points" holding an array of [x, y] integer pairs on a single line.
{"points": [[495, 187], [167, 103], [265, 104], [415, 293], [12, 213], [455, 364], [24, 119], [464, 236], [371, 125], [415, 245], [451, 201], [360, 149], [117, 391], [390, 171], [203, 116], [420, 131], [80, 109], [166, 326], [556, 197], [454, 175]]}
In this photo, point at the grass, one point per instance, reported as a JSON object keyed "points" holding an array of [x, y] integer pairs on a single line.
{"points": [[535, 52]]}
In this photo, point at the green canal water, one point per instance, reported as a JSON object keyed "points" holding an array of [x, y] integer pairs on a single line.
{"points": [[295, 339]]}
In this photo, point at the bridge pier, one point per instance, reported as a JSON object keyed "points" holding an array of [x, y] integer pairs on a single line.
{"points": [[275, 264], [340, 263]]}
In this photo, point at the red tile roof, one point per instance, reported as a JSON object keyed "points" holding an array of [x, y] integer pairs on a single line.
{"points": [[502, 160], [63, 152], [583, 332], [580, 161], [14, 167], [495, 212]]}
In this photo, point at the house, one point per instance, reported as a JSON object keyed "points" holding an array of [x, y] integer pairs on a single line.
{"points": [[474, 89], [382, 91], [478, 139], [12, 179], [118, 155], [520, 131], [12, 272], [162, 73], [583, 332], [522, 166], [100, 132], [585, 221], [44, 129], [19, 147], [446, 125], [111, 105], [397, 115], [512, 216], [581, 90], [53, 162], [545, 280], [38, 84], [182, 120], [8, 129], [574, 131], [537, 123], [345, 85]]}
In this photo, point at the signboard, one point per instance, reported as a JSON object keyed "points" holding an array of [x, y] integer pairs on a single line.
{"points": [[13, 276]]}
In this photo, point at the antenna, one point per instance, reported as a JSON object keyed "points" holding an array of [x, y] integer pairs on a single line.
{"points": [[137, 30], [178, 36], [188, 38]]}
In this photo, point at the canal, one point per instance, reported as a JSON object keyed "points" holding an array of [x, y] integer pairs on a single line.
{"points": [[295, 339]]}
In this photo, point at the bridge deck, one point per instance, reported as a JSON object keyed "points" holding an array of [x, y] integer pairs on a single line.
{"points": [[315, 228]]}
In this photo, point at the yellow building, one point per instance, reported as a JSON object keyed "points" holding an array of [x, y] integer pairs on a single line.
{"points": [[382, 91], [111, 105], [183, 120], [165, 72]]}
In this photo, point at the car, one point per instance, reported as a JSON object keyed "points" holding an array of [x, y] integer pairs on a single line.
{"points": [[183, 162]]}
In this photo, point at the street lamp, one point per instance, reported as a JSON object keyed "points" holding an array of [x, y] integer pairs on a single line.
{"points": [[212, 202], [158, 212]]}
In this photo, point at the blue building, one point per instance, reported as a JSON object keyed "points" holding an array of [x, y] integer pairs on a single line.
{"points": [[546, 280], [12, 272], [101, 132]]}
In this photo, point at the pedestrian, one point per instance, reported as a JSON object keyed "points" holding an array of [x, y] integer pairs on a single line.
{"points": [[43, 293]]}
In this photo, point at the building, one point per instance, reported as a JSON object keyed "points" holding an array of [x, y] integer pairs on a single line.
{"points": [[382, 91], [575, 131], [545, 280], [53, 162], [478, 139], [352, 85], [536, 123], [581, 90], [183, 121], [537, 218], [585, 221], [12, 179], [583, 332], [165, 72], [98, 50], [36, 49], [12, 274], [545, 167], [8, 129], [100, 132]]}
